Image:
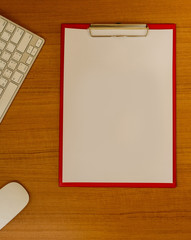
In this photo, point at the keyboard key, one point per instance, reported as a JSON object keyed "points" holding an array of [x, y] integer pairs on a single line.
{"points": [[5, 36], [34, 51], [24, 42], [2, 45], [29, 60], [17, 77], [30, 48], [12, 64], [10, 27], [17, 56], [1, 90], [7, 73], [10, 47], [22, 67], [2, 24], [38, 43], [3, 82], [2, 64], [17, 35], [5, 56], [5, 99]]}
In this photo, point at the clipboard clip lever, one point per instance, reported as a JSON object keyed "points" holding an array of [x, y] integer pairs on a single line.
{"points": [[118, 30]]}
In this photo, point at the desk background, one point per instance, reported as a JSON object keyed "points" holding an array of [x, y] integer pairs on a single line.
{"points": [[29, 135]]}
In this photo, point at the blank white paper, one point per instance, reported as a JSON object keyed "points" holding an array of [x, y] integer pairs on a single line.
{"points": [[118, 108]]}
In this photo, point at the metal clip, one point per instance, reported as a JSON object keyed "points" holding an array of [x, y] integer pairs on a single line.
{"points": [[118, 30]]}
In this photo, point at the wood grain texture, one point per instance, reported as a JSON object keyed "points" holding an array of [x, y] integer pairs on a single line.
{"points": [[29, 135]]}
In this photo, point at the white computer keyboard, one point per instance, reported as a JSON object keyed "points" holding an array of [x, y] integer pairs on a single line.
{"points": [[18, 51]]}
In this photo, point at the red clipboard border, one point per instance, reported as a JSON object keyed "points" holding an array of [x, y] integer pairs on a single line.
{"points": [[102, 184]]}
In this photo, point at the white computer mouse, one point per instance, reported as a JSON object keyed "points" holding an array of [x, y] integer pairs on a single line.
{"points": [[13, 198]]}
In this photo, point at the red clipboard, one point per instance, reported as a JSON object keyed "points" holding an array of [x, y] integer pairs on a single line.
{"points": [[106, 184]]}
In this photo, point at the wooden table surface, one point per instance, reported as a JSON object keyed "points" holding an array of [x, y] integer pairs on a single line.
{"points": [[29, 135]]}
